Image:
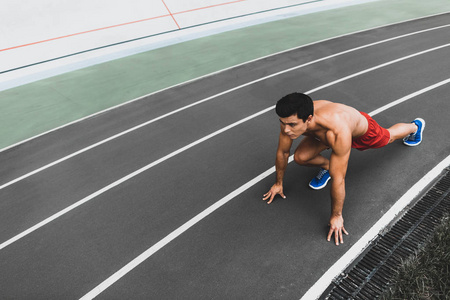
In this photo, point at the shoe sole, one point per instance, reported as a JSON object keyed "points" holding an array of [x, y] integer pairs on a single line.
{"points": [[421, 131], [321, 187]]}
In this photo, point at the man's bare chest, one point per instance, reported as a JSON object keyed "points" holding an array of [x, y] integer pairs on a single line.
{"points": [[319, 136]]}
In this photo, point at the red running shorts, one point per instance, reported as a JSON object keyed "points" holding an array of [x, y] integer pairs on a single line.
{"points": [[375, 136]]}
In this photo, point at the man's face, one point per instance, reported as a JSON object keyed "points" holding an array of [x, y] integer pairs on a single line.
{"points": [[293, 126]]}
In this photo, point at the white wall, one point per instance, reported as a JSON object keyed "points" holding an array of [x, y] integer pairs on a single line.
{"points": [[33, 31]]}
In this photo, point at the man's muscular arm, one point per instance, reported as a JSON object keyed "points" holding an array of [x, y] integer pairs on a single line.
{"points": [[281, 162], [338, 169]]}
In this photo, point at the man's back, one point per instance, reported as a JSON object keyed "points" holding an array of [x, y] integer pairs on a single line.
{"points": [[332, 118]]}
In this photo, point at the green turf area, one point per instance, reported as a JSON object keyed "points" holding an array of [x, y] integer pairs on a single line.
{"points": [[427, 274]]}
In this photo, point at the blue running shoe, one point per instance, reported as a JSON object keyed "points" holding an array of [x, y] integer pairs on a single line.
{"points": [[321, 180], [415, 139]]}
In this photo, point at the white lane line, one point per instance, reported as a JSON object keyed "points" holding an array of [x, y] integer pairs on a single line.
{"points": [[396, 102], [149, 252], [202, 101], [137, 172], [381, 66], [216, 72], [173, 235], [319, 287], [129, 176], [157, 162]]}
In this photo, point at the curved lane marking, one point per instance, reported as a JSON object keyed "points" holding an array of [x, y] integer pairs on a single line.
{"points": [[339, 266], [174, 153], [197, 103], [173, 235], [216, 72]]}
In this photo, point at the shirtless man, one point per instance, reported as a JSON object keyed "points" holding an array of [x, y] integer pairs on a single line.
{"points": [[326, 125]]}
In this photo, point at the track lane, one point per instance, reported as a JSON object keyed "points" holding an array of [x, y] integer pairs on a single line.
{"points": [[272, 147], [37, 153], [244, 250], [100, 218], [86, 183], [87, 176], [89, 147]]}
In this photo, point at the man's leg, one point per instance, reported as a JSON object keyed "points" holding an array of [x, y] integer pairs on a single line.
{"points": [[401, 130], [411, 133], [308, 154]]}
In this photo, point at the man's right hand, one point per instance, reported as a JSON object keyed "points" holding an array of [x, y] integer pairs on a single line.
{"points": [[274, 190]]}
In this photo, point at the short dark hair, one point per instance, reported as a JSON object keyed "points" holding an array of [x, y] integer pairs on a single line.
{"points": [[295, 103]]}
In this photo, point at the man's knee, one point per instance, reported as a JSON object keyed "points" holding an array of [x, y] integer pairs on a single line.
{"points": [[301, 158]]}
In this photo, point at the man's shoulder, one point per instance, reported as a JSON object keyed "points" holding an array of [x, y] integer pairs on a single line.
{"points": [[329, 109], [321, 103]]}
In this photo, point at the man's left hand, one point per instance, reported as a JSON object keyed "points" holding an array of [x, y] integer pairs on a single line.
{"points": [[337, 227]]}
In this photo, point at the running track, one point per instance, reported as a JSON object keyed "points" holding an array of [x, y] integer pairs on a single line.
{"points": [[80, 203]]}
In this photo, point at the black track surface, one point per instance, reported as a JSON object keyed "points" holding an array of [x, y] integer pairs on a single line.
{"points": [[246, 249]]}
